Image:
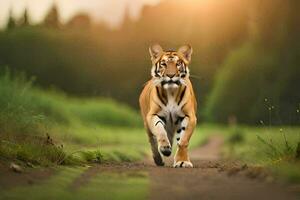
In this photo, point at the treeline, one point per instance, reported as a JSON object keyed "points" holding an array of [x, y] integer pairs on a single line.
{"points": [[259, 81], [51, 20], [230, 38]]}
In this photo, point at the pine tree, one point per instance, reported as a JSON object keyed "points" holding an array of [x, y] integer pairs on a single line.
{"points": [[126, 18], [81, 21], [11, 23], [24, 21], [52, 18]]}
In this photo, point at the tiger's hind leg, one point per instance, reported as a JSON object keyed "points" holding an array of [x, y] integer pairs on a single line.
{"points": [[155, 153]]}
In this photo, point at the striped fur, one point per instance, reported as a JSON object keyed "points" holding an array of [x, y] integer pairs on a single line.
{"points": [[168, 104]]}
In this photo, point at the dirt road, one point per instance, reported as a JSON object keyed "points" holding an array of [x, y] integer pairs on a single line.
{"points": [[211, 178]]}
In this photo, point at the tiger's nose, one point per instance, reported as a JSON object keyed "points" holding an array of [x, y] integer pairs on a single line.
{"points": [[170, 75]]}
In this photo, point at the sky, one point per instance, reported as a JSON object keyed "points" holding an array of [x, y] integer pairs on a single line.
{"points": [[108, 11]]}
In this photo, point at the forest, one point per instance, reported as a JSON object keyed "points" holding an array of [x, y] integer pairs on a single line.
{"points": [[245, 64], [70, 124]]}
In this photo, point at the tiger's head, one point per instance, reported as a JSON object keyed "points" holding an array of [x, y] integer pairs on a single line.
{"points": [[170, 68]]}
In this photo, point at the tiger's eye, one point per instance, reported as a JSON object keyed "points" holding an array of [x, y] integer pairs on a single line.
{"points": [[163, 64]]}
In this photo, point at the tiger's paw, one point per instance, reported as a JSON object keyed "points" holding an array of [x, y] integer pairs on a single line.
{"points": [[158, 160], [183, 164], [165, 150]]}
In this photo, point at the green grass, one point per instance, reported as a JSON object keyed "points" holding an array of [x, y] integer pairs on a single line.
{"points": [[34, 153], [104, 185], [28, 114], [203, 132], [23, 108], [80, 130], [272, 147]]}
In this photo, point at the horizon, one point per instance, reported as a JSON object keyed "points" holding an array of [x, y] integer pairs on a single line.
{"points": [[109, 12]]}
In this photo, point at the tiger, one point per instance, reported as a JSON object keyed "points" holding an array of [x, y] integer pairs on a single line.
{"points": [[168, 105]]}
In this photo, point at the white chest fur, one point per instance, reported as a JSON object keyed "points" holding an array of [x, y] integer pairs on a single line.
{"points": [[172, 110], [174, 119]]}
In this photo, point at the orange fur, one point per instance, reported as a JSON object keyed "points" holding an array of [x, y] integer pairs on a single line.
{"points": [[163, 107]]}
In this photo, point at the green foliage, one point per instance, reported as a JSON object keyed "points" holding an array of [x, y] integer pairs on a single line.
{"points": [[258, 80], [24, 108], [52, 18], [98, 61], [24, 21], [35, 153], [276, 151], [253, 86], [27, 113], [248, 60], [84, 125], [92, 156], [298, 151], [132, 185], [236, 136], [108, 112], [267, 144], [231, 99], [11, 23], [17, 108], [274, 148]]}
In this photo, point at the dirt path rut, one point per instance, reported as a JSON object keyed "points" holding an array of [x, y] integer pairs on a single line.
{"points": [[212, 178]]}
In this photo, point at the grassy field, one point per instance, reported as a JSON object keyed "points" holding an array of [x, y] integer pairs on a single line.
{"points": [[277, 148], [105, 185], [47, 127]]}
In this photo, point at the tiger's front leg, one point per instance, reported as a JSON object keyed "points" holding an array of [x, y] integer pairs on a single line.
{"points": [[157, 127], [184, 133]]}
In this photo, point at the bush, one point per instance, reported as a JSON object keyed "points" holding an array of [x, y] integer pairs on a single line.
{"points": [[26, 109], [254, 87], [28, 114]]}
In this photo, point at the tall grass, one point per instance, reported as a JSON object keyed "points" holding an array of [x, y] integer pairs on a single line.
{"points": [[25, 109], [28, 114], [273, 147], [18, 112]]}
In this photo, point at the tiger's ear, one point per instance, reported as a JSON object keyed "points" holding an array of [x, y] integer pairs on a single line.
{"points": [[155, 52], [186, 52]]}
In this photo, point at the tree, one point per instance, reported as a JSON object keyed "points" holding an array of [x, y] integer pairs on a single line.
{"points": [[25, 21], [52, 18], [80, 21], [127, 22], [11, 23], [258, 81]]}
